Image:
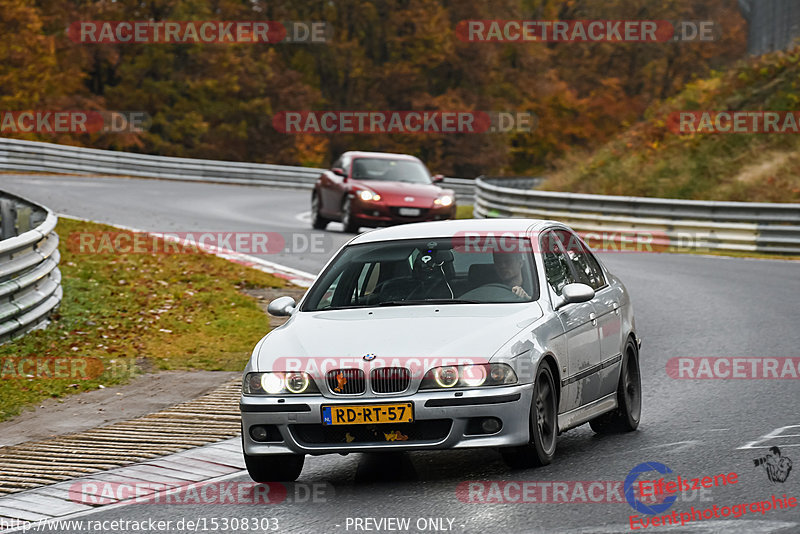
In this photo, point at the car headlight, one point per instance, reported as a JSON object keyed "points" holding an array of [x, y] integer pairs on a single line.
{"points": [[444, 200], [469, 376], [278, 383], [369, 195], [445, 377]]}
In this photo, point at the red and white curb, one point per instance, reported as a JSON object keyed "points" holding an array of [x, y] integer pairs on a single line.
{"points": [[209, 462]]}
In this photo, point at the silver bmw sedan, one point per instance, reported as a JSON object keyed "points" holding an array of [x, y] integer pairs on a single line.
{"points": [[472, 333]]}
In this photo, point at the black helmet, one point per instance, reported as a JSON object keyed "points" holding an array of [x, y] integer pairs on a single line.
{"points": [[431, 262]]}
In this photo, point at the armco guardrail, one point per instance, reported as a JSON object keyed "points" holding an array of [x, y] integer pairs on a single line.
{"points": [[30, 282], [682, 224], [18, 155], [771, 24]]}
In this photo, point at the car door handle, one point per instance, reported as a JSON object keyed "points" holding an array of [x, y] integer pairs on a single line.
{"points": [[616, 308], [593, 318]]}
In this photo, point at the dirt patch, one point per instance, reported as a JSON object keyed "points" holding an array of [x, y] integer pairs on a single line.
{"points": [[769, 165], [143, 395]]}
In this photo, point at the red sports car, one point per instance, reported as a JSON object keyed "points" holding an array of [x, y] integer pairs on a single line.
{"points": [[377, 189]]}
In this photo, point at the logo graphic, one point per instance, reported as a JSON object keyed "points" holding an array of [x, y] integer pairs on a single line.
{"points": [[341, 380], [777, 467], [630, 484], [409, 199], [369, 357]]}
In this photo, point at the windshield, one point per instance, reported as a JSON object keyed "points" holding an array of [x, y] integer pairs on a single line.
{"points": [[391, 170], [424, 271]]}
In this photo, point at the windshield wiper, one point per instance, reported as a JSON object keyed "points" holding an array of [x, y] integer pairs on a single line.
{"points": [[426, 301]]}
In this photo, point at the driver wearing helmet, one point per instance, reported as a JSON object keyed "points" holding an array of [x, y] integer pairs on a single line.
{"points": [[431, 271]]}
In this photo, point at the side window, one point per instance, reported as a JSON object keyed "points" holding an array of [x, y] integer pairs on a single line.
{"points": [[586, 267], [343, 163], [368, 279], [412, 258], [556, 265], [327, 297], [598, 279]]}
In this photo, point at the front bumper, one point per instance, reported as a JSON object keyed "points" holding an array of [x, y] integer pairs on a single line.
{"points": [[382, 214], [442, 420]]}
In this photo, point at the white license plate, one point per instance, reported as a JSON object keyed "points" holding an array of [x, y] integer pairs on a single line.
{"points": [[409, 212]]}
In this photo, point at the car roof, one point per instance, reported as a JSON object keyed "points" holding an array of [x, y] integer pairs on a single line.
{"points": [[359, 154], [442, 229]]}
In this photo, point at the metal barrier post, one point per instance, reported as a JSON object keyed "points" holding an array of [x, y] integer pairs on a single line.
{"points": [[8, 218]]}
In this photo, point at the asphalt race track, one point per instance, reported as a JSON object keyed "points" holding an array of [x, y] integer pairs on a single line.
{"points": [[686, 305]]}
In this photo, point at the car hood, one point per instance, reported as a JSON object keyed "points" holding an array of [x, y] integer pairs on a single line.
{"points": [[473, 331], [394, 192]]}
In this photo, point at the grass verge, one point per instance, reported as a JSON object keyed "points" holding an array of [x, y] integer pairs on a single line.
{"points": [[124, 314], [464, 212], [654, 159]]}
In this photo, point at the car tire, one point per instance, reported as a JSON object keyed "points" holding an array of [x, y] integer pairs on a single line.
{"points": [[317, 222], [274, 467], [543, 425], [625, 418], [350, 224]]}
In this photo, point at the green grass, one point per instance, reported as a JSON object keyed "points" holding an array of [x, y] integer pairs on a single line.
{"points": [[136, 312], [651, 160]]}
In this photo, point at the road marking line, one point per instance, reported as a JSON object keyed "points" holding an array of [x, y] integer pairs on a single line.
{"points": [[675, 446], [772, 435]]}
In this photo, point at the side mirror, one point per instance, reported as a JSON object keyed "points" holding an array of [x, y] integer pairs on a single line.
{"points": [[281, 307], [338, 171], [574, 293], [438, 177]]}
